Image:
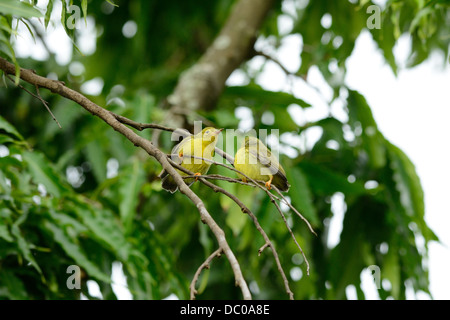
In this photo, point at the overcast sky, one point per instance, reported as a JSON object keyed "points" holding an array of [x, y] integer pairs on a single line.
{"points": [[413, 112]]}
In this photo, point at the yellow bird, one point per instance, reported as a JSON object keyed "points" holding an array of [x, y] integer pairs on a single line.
{"points": [[256, 161], [188, 153]]}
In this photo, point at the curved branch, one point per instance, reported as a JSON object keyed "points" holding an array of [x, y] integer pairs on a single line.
{"points": [[204, 265], [37, 96]]}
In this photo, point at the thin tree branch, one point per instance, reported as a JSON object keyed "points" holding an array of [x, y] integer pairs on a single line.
{"points": [[140, 126], [46, 106], [204, 265], [58, 88], [274, 60], [37, 96], [289, 229], [295, 210]]}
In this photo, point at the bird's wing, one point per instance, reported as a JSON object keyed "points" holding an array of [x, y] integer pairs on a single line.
{"points": [[174, 155], [265, 157]]}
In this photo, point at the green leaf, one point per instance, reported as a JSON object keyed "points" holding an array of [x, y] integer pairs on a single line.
{"points": [[391, 271], [420, 16], [6, 163], [24, 21], [42, 172], [205, 239], [105, 228], [22, 243], [6, 49], [131, 182], [142, 106], [5, 189], [19, 9], [70, 30], [112, 2], [5, 125], [408, 185], [74, 251], [12, 287], [5, 139], [224, 118], [236, 219], [407, 181], [63, 14], [96, 156], [256, 93], [5, 234], [5, 24], [372, 140], [325, 181], [84, 7], [48, 13], [64, 220]]}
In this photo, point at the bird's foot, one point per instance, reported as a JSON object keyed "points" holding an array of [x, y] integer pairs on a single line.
{"points": [[197, 174]]}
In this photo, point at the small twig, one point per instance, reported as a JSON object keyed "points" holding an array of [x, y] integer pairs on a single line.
{"points": [[264, 246], [295, 210], [274, 60], [140, 126], [289, 73], [37, 96], [290, 230], [225, 155], [46, 106], [204, 265]]}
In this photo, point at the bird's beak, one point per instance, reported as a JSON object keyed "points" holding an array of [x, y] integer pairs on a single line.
{"points": [[218, 131]]}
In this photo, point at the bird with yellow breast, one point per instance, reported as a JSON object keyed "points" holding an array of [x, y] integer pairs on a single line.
{"points": [[192, 153]]}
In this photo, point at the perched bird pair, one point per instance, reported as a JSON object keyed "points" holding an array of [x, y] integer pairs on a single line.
{"points": [[253, 159]]}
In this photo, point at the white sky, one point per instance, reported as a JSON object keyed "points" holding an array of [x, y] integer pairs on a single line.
{"points": [[412, 111]]}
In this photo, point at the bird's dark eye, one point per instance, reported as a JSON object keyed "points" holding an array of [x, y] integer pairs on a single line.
{"points": [[207, 131]]}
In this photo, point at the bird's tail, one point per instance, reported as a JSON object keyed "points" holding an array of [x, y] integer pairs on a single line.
{"points": [[169, 184], [284, 186], [280, 181]]}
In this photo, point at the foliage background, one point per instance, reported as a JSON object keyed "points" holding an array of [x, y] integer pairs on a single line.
{"points": [[84, 195]]}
